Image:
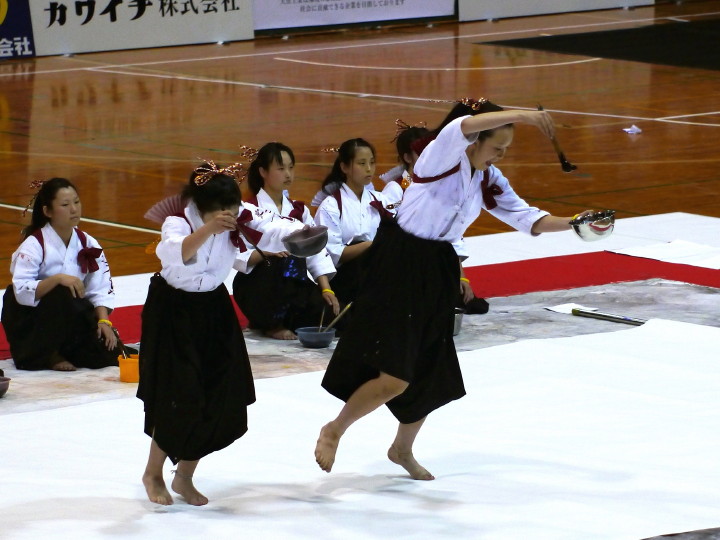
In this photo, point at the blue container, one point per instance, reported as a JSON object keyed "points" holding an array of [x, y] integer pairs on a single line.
{"points": [[311, 338]]}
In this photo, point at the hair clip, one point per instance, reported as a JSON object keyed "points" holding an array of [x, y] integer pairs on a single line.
{"points": [[248, 153], [468, 102], [473, 104], [209, 169], [331, 149], [36, 185], [401, 126]]}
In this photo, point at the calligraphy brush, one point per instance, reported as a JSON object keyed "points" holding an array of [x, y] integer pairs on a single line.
{"points": [[564, 163], [322, 317], [336, 319]]}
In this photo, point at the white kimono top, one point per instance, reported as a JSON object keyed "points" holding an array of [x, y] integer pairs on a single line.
{"points": [[443, 209], [30, 264], [317, 265], [212, 263], [358, 223]]}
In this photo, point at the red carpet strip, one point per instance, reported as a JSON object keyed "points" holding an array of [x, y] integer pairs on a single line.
{"points": [[510, 279]]}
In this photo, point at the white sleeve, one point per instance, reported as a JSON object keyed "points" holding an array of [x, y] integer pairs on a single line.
{"points": [[273, 227], [320, 264], [242, 262], [98, 285], [445, 151], [25, 269], [328, 215], [393, 174], [511, 209], [307, 218], [393, 192], [169, 250]]}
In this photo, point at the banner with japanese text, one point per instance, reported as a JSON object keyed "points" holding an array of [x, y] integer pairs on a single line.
{"points": [[473, 10], [77, 26], [276, 14], [16, 35]]}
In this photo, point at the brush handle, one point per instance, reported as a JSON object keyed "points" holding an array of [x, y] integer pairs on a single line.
{"points": [[336, 319], [566, 165], [556, 146], [260, 251], [608, 317], [555, 143], [322, 318]]}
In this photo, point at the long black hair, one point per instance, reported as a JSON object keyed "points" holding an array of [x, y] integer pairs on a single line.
{"points": [[45, 197], [220, 192], [266, 156], [403, 142], [346, 155]]}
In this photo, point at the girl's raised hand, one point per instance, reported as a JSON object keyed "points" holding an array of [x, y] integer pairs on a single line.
{"points": [[540, 119], [221, 221]]}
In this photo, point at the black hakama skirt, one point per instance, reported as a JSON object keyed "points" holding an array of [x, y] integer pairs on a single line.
{"points": [[349, 279], [195, 376], [279, 294], [58, 325], [403, 325]]}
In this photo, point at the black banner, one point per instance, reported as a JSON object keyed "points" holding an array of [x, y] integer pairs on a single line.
{"points": [[16, 34]]}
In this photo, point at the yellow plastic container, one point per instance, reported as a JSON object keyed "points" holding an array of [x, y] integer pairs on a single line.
{"points": [[129, 368]]}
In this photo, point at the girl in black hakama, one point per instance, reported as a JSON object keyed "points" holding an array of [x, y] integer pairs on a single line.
{"points": [[399, 349], [351, 210], [195, 376], [56, 313], [284, 292]]}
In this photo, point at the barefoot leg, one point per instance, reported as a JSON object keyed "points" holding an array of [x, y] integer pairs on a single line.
{"points": [[327, 446], [183, 485], [153, 476], [400, 451], [364, 400], [59, 363], [64, 365]]}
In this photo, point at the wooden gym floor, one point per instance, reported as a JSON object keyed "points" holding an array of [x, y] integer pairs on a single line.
{"points": [[127, 127]]}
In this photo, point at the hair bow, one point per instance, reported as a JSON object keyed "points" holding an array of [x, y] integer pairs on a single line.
{"points": [[248, 152], [209, 169], [468, 102], [36, 185], [401, 126]]}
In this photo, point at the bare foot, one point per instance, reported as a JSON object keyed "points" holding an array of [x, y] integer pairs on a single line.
{"points": [[407, 461], [326, 447], [183, 485], [156, 490], [64, 365], [281, 333]]}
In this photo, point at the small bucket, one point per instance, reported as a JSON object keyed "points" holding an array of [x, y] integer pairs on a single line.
{"points": [[129, 368], [459, 312]]}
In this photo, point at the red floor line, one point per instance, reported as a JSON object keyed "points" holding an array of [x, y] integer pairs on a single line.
{"points": [[509, 279]]}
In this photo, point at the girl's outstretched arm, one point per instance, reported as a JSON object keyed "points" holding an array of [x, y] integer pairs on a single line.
{"points": [[552, 223]]}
